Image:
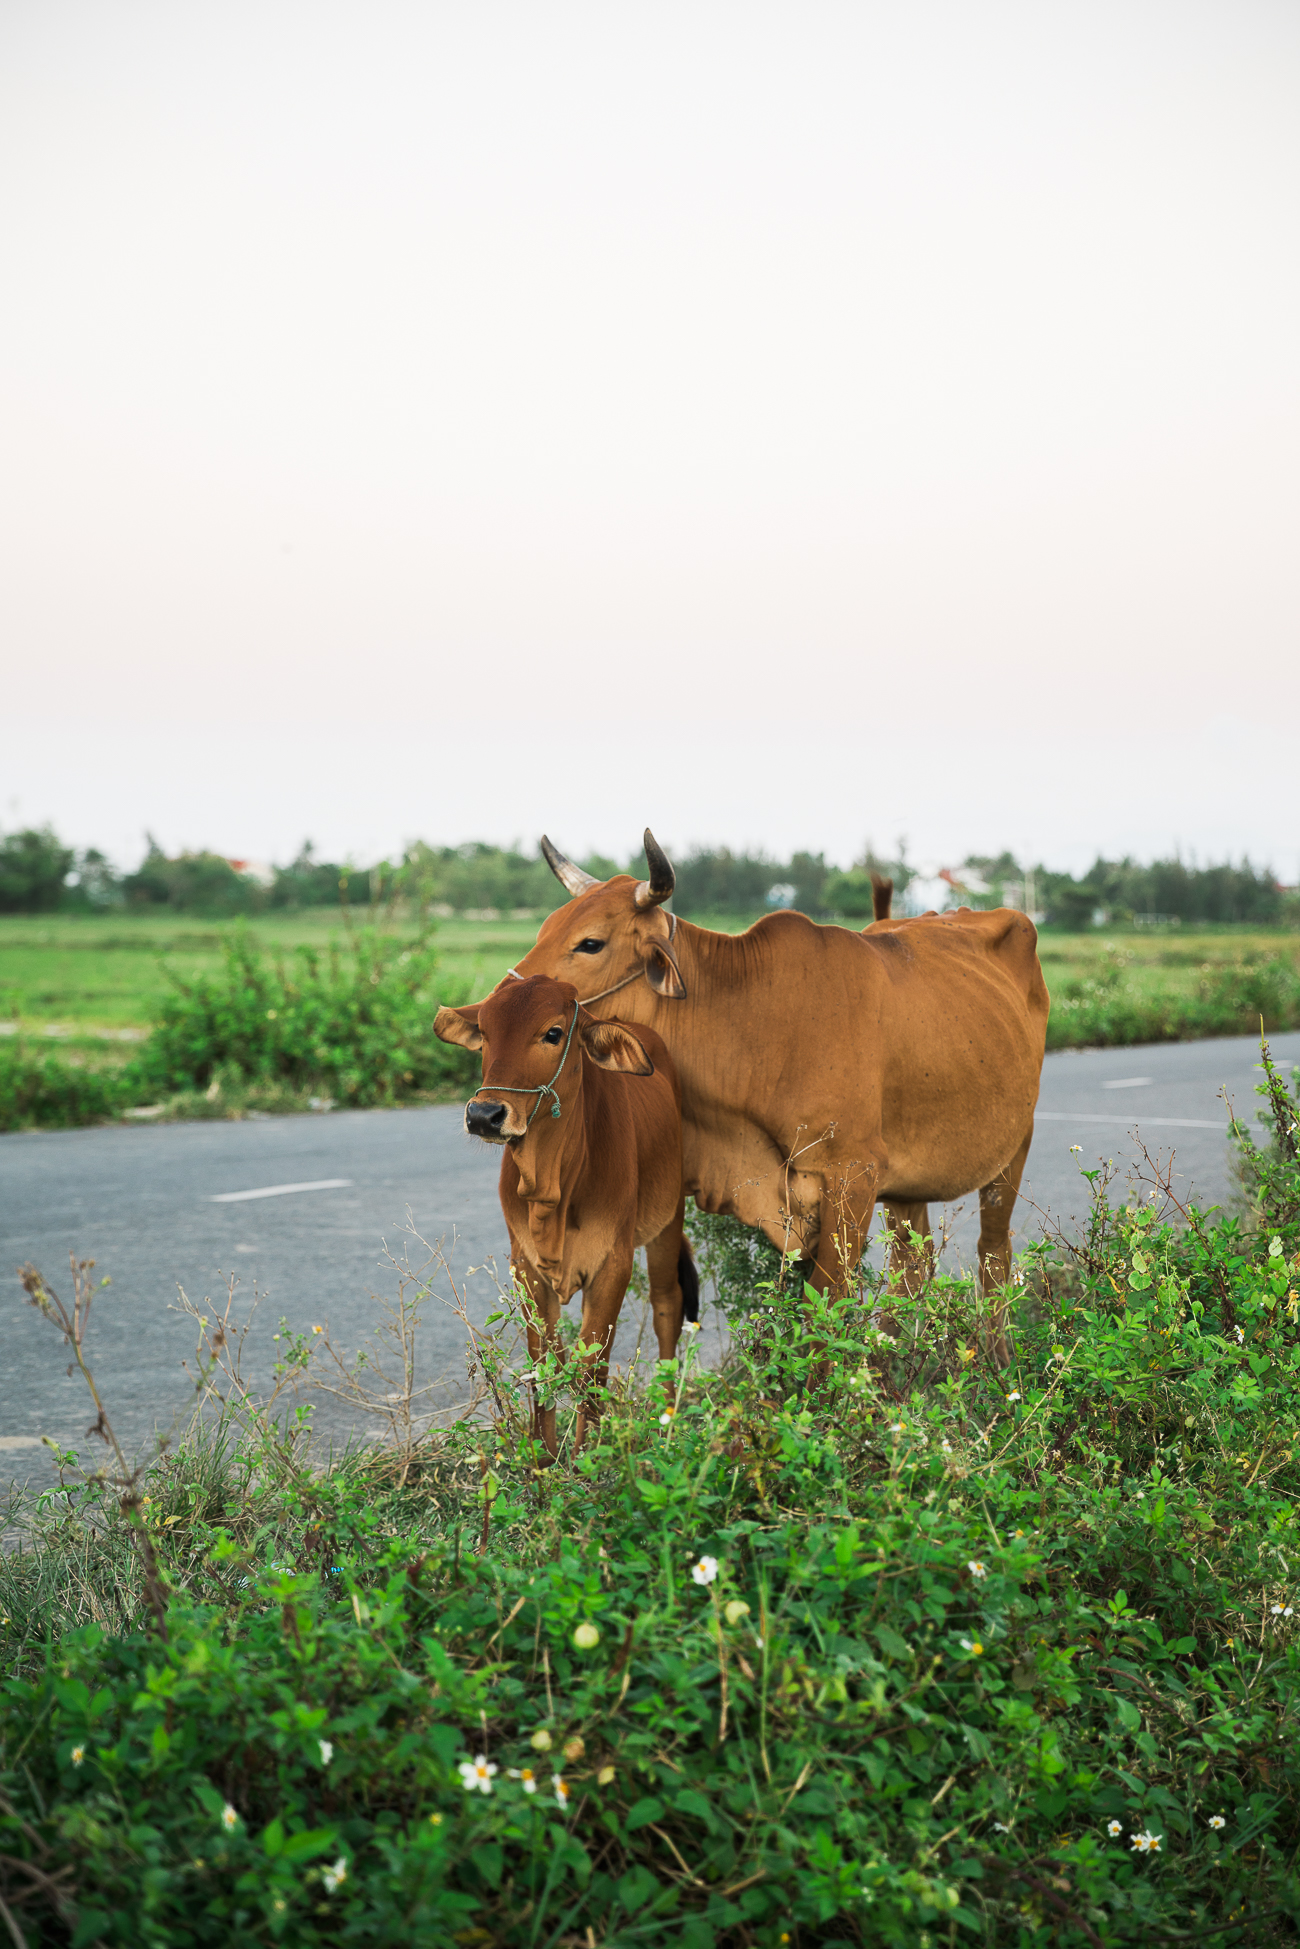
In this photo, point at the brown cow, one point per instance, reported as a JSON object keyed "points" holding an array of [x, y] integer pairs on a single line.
{"points": [[592, 1168], [823, 1069]]}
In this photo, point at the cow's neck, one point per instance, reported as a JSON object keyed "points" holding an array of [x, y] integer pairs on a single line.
{"points": [[551, 1160]]}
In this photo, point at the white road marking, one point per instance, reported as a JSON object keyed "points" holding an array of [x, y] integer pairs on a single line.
{"points": [[1182, 1123], [1127, 1083], [279, 1190]]}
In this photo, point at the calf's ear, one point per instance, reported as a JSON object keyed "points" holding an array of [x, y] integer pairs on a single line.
{"points": [[662, 971], [459, 1025], [611, 1046]]}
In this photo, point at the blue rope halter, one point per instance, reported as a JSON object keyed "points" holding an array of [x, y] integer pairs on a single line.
{"points": [[539, 1090]]}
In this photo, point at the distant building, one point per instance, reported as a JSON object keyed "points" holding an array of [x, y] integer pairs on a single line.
{"points": [[258, 870]]}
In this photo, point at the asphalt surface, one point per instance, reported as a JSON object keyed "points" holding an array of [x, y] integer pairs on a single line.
{"points": [[164, 1207]]}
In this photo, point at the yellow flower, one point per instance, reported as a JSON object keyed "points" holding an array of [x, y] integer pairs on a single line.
{"points": [[605, 1777]]}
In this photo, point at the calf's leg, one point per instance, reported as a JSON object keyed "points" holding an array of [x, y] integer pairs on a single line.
{"points": [[542, 1326], [602, 1297]]}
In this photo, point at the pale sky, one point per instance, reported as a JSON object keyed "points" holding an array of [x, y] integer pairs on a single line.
{"points": [[783, 424]]}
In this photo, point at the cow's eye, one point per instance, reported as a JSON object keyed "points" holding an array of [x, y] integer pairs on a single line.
{"points": [[553, 1035], [589, 946]]}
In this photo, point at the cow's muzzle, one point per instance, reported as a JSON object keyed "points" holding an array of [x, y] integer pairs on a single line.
{"points": [[487, 1120]]}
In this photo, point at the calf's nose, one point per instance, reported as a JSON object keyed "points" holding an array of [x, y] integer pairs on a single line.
{"points": [[484, 1119]]}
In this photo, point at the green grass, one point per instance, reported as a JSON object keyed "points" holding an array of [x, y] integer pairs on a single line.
{"points": [[105, 972]]}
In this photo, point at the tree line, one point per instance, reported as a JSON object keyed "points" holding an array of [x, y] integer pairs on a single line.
{"points": [[40, 874]]}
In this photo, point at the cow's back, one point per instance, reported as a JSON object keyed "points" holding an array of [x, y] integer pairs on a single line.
{"points": [[925, 1037]]}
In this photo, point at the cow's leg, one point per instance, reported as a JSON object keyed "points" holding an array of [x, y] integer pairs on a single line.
{"points": [[542, 1326], [663, 1257], [846, 1206], [602, 1296], [912, 1265], [997, 1201]]}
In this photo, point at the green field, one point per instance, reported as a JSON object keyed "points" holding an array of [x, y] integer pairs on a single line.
{"points": [[93, 977]]}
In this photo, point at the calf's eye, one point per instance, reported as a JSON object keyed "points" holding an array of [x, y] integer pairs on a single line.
{"points": [[552, 1035], [589, 946]]}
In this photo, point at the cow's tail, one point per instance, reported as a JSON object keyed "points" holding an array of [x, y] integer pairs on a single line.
{"points": [[688, 1278], [882, 896]]}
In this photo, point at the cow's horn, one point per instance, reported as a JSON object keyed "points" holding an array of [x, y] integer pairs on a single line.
{"points": [[659, 887], [571, 877]]}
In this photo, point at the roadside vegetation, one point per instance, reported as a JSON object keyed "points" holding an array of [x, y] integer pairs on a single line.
{"points": [[856, 1640], [192, 989]]}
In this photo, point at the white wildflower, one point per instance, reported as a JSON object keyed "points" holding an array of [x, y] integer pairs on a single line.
{"points": [[1013, 1396], [561, 1791], [1217, 1821], [336, 1876], [977, 1569], [666, 1418], [1145, 1843], [705, 1570], [1114, 1828], [526, 1778], [326, 1752], [1241, 1338], [229, 1818], [78, 1755], [477, 1773]]}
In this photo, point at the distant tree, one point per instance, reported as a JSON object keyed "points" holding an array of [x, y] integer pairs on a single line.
{"points": [[1244, 894], [34, 864], [94, 882], [191, 882], [311, 882], [849, 894]]}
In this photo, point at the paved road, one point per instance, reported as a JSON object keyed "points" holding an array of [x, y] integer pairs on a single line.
{"points": [[153, 1206]]}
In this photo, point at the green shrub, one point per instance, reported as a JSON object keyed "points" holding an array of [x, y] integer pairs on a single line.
{"points": [[1108, 1011], [857, 1641], [355, 1020], [39, 1086], [33, 865]]}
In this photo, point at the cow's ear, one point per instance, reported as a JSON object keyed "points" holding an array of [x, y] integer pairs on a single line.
{"points": [[662, 971], [459, 1025], [611, 1046]]}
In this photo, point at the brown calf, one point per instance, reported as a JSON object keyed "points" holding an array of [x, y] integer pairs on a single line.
{"points": [[592, 1167]]}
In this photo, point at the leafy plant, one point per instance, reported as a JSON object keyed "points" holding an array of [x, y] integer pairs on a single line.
{"points": [[355, 1020], [39, 1087]]}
